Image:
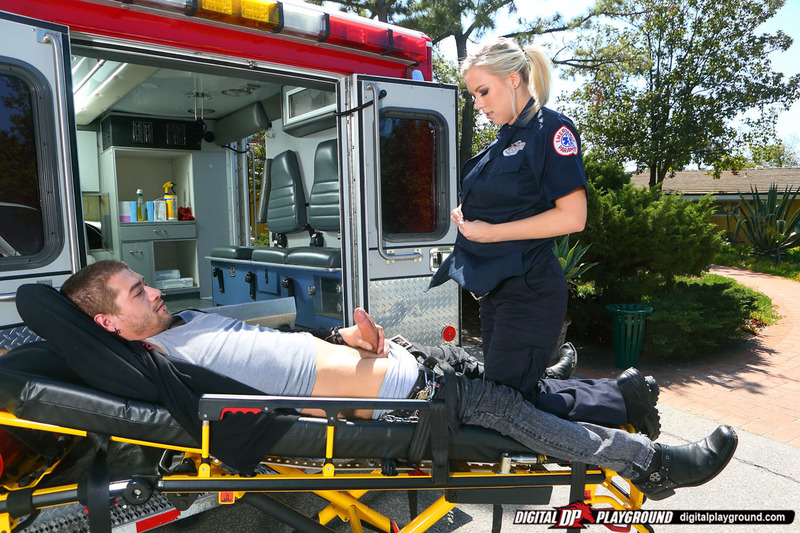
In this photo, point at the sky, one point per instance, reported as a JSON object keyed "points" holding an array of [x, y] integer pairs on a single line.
{"points": [[788, 62]]}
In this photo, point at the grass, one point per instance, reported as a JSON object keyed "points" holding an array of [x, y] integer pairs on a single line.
{"points": [[764, 314], [742, 257]]}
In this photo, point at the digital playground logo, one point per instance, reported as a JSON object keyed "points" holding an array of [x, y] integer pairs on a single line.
{"points": [[580, 515]]}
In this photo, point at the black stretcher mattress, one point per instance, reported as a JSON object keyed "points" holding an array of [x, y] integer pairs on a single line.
{"points": [[36, 384]]}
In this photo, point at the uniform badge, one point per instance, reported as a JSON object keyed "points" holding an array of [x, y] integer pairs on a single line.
{"points": [[514, 148], [564, 142]]}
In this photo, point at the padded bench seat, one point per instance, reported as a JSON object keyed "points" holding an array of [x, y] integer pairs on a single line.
{"points": [[315, 257], [311, 275], [232, 252], [270, 254]]}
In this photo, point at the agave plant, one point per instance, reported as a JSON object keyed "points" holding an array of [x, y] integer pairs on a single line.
{"points": [[570, 259], [769, 223]]}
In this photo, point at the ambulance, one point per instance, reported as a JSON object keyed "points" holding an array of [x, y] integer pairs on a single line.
{"points": [[132, 130]]}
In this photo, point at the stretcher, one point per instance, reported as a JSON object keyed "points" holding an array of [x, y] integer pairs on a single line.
{"points": [[76, 434]]}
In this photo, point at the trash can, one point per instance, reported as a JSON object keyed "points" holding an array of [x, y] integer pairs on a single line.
{"points": [[627, 324]]}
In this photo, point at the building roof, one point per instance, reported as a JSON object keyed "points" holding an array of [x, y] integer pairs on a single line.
{"points": [[701, 182]]}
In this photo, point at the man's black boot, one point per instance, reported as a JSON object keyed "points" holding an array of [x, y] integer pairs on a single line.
{"points": [[567, 361], [640, 402], [687, 465]]}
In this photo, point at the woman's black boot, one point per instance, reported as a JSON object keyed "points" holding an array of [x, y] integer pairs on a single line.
{"points": [[687, 465]]}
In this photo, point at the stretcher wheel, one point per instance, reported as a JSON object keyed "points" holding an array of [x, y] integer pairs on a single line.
{"points": [[137, 492]]}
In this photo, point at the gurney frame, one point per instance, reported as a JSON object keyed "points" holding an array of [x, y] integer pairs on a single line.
{"points": [[516, 479]]}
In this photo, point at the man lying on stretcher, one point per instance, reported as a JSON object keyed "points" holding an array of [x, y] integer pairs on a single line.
{"points": [[365, 366]]}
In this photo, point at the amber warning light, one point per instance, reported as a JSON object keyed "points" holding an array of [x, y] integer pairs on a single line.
{"points": [[305, 21]]}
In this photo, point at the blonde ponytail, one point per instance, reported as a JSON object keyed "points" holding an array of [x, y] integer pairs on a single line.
{"points": [[502, 57], [541, 73]]}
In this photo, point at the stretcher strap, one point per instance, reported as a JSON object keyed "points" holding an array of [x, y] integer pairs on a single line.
{"points": [[94, 493], [439, 442], [432, 428], [419, 439], [497, 518]]}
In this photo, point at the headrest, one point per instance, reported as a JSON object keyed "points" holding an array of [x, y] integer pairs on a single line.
{"points": [[287, 199], [323, 203], [97, 357]]}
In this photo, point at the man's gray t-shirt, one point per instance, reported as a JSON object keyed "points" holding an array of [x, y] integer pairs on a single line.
{"points": [[273, 362]]}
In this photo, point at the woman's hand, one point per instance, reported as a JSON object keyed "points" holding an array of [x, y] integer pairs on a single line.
{"points": [[568, 216], [473, 230]]}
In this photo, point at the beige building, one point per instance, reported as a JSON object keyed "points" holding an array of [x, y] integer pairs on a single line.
{"points": [[694, 184]]}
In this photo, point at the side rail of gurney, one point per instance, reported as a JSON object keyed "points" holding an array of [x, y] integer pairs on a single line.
{"points": [[184, 473]]}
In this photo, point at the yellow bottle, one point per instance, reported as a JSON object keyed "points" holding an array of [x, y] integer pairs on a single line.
{"points": [[172, 201], [140, 209]]}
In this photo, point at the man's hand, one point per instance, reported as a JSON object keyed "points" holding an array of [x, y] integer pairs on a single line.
{"points": [[365, 334]]}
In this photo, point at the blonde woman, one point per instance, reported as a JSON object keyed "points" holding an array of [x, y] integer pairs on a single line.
{"points": [[516, 196]]}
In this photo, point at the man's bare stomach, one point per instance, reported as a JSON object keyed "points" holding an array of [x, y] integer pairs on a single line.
{"points": [[346, 372]]}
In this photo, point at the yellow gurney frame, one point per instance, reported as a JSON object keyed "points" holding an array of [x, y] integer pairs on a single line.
{"points": [[340, 482]]}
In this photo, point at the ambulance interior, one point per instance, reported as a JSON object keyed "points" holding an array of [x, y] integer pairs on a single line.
{"points": [[143, 122]]}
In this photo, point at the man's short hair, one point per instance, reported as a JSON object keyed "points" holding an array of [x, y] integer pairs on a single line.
{"points": [[89, 289]]}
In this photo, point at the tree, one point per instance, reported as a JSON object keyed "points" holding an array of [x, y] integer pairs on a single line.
{"points": [[467, 21], [383, 10], [690, 69], [777, 154], [463, 20], [483, 132]]}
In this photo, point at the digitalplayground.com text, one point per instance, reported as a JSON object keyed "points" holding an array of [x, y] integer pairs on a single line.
{"points": [[581, 515]]}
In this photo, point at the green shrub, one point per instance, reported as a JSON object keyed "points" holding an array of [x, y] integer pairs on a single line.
{"points": [[262, 240], [644, 239], [696, 316], [691, 318], [604, 175]]}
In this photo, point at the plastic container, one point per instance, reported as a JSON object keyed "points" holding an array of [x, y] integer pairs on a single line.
{"points": [[627, 324], [172, 200], [180, 283], [173, 273], [141, 210], [124, 212], [160, 211]]}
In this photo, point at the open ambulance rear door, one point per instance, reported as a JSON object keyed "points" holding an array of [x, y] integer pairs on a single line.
{"points": [[406, 190], [39, 235]]}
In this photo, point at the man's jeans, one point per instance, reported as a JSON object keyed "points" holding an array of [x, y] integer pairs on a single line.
{"points": [[503, 409]]}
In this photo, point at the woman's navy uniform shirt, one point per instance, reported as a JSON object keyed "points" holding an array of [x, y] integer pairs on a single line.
{"points": [[521, 174]]}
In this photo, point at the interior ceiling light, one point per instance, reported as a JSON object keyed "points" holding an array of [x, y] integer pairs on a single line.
{"points": [[245, 90]]}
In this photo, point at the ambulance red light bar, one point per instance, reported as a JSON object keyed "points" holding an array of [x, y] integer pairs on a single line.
{"points": [[360, 34], [305, 21]]}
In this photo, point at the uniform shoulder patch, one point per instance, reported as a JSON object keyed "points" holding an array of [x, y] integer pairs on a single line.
{"points": [[564, 142]]}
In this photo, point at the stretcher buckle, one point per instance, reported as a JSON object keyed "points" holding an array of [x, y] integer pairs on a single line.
{"points": [[507, 461]]}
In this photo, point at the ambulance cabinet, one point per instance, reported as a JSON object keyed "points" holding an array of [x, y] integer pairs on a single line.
{"points": [[151, 247]]}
